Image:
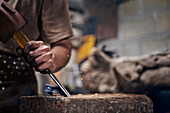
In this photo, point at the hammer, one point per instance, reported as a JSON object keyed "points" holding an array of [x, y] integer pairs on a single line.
{"points": [[10, 23]]}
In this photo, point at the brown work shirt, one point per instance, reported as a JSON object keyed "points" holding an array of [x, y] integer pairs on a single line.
{"points": [[46, 20]]}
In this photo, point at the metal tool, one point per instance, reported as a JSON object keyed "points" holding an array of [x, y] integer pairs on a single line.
{"points": [[52, 90], [58, 83], [11, 21]]}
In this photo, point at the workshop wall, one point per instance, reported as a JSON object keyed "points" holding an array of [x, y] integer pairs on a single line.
{"points": [[143, 27]]}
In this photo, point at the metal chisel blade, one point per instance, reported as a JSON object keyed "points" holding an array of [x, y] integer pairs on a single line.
{"points": [[58, 83]]}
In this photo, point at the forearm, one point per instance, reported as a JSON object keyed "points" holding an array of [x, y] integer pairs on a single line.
{"points": [[40, 56], [61, 53]]}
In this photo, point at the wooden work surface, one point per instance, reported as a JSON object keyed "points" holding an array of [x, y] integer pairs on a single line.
{"points": [[91, 103]]}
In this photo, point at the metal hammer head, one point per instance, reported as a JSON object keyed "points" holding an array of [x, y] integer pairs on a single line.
{"points": [[10, 21]]}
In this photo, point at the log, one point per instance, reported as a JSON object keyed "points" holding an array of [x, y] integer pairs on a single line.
{"points": [[90, 103], [140, 74]]}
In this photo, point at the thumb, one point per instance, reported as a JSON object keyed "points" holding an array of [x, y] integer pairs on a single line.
{"points": [[19, 50]]}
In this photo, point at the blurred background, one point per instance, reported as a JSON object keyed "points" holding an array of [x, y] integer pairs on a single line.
{"points": [[125, 27]]}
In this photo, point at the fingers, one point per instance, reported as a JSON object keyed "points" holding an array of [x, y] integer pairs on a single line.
{"points": [[46, 65], [39, 55], [40, 51], [31, 45], [43, 58], [45, 61]]}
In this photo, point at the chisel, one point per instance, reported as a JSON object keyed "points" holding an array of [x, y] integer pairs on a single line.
{"points": [[22, 39]]}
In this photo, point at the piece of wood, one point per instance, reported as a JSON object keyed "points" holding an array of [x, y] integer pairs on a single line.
{"points": [[126, 74], [96, 103]]}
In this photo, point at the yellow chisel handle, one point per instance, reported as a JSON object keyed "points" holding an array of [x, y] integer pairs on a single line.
{"points": [[21, 38]]}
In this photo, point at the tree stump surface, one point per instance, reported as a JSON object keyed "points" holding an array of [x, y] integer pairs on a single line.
{"points": [[90, 103]]}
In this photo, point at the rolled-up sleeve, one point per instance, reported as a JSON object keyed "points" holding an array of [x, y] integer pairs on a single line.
{"points": [[55, 20]]}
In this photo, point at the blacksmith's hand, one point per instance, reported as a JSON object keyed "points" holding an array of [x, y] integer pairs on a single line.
{"points": [[39, 55]]}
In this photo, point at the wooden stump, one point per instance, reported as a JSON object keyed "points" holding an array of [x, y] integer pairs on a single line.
{"points": [[96, 103]]}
